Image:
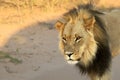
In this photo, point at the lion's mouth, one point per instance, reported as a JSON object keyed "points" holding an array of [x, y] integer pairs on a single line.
{"points": [[71, 61], [74, 60]]}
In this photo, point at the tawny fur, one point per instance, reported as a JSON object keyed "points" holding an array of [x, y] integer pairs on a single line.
{"points": [[83, 35]]}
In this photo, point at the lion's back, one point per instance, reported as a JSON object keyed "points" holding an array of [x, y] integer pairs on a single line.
{"points": [[112, 21]]}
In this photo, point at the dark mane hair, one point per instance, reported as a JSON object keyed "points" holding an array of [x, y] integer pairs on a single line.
{"points": [[102, 61], [88, 7]]}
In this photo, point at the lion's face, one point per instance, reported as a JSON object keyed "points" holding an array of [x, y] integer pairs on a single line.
{"points": [[73, 40], [77, 41]]}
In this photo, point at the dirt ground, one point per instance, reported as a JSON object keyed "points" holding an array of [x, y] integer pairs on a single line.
{"points": [[34, 40]]}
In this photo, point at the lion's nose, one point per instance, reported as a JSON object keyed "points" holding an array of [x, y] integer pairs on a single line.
{"points": [[69, 53]]}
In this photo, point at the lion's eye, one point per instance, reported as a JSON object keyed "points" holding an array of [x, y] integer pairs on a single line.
{"points": [[77, 39], [64, 39]]}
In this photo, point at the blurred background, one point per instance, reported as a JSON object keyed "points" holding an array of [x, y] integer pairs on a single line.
{"points": [[29, 42]]}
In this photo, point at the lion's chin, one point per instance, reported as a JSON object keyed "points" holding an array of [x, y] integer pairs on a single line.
{"points": [[72, 62]]}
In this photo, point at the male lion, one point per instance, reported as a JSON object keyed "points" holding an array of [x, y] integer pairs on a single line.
{"points": [[84, 41]]}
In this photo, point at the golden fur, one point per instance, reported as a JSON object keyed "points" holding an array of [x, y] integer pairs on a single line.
{"points": [[74, 27], [84, 41]]}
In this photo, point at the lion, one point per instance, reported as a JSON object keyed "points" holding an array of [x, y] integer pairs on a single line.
{"points": [[85, 42]]}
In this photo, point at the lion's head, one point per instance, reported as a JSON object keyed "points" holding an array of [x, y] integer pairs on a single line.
{"points": [[77, 41]]}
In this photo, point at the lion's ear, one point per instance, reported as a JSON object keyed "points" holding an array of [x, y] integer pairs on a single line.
{"points": [[59, 25], [89, 23]]}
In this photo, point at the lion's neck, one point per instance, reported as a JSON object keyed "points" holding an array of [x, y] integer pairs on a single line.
{"points": [[89, 53], [97, 56]]}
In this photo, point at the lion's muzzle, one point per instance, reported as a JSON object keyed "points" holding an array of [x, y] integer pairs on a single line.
{"points": [[68, 53], [70, 59]]}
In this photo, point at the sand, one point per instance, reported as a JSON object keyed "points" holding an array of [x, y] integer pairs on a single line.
{"points": [[37, 47]]}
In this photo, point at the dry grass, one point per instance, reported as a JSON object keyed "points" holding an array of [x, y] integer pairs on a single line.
{"points": [[20, 8], [47, 4], [16, 11], [56, 3], [109, 3]]}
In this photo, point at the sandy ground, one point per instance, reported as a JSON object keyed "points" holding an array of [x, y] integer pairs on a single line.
{"points": [[37, 46]]}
